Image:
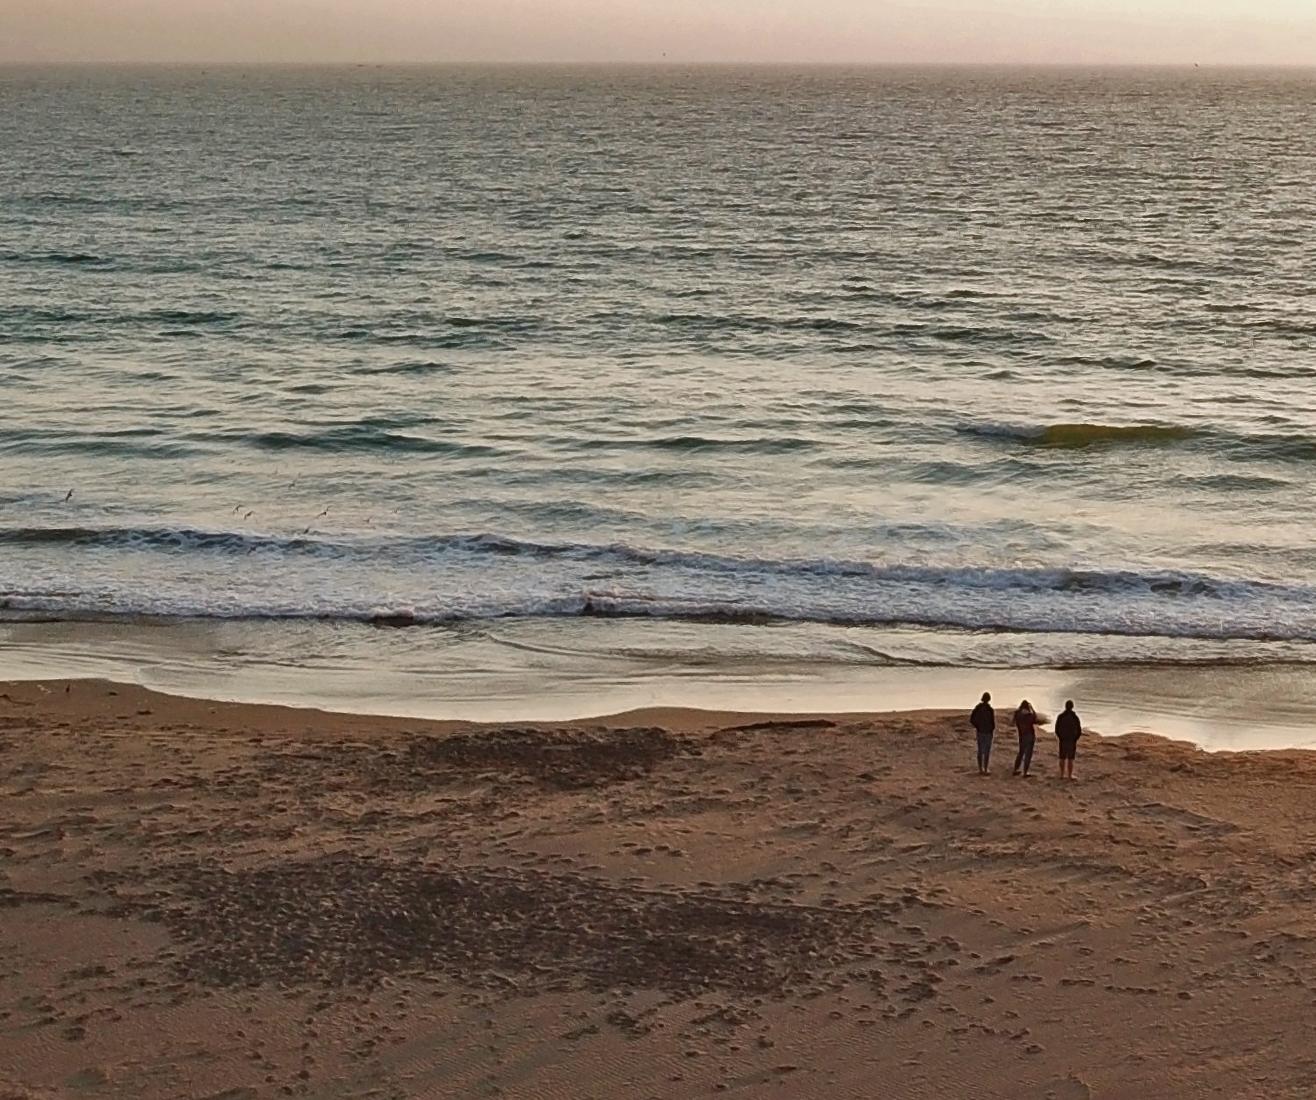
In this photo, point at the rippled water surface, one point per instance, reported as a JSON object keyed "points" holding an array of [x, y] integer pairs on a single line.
{"points": [[854, 350]]}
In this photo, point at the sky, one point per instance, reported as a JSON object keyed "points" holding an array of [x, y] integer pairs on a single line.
{"points": [[1023, 31]]}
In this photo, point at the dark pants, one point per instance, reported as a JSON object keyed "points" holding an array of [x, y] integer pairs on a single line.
{"points": [[1068, 748], [1024, 759], [984, 749]]}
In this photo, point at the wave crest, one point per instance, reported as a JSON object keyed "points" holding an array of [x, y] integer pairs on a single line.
{"points": [[430, 578], [1092, 435], [1079, 435]]}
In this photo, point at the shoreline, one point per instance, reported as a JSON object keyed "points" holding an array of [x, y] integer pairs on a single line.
{"points": [[149, 709], [209, 899], [1218, 707], [562, 670], [73, 697]]}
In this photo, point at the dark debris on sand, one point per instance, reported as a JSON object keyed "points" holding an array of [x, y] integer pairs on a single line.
{"points": [[345, 920], [562, 759], [12, 899]]}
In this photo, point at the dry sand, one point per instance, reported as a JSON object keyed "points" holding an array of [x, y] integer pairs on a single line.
{"points": [[216, 900]]}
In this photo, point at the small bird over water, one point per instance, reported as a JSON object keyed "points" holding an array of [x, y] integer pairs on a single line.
{"points": [[68, 496]]}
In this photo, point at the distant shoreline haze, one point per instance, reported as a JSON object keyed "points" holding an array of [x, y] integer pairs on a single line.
{"points": [[1211, 32]]}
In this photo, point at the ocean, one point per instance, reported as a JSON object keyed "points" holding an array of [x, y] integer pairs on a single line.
{"points": [[556, 374]]}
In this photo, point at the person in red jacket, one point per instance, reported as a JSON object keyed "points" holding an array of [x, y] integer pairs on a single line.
{"points": [[1025, 721]]}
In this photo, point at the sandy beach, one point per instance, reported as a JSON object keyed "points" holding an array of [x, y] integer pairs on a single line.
{"points": [[215, 900]]}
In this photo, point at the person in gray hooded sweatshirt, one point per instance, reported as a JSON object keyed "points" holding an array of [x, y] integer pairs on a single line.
{"points": [[1068, 730]]}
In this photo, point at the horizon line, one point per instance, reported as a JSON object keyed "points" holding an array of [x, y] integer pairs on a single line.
{"points": [[663, 62]]}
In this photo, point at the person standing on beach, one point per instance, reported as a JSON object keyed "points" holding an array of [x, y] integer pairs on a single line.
{"points": [[1025, 721], [983, 720], [1068, 730]]}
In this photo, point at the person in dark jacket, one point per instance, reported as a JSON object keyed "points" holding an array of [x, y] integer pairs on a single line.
{"points": [[1025, 721], [1068, 730], [983, 720]]}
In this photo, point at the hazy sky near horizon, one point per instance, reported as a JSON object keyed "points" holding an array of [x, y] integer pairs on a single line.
{"points": [[1096, 31]]}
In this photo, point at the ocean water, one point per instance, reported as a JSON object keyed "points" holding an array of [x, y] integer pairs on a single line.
{"points": [[696, 367]]}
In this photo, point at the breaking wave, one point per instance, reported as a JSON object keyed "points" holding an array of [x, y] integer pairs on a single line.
{"points": [[441, 578]]}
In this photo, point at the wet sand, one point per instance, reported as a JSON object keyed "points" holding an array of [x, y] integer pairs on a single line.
{"points": [[208, 900], [563, 670]]}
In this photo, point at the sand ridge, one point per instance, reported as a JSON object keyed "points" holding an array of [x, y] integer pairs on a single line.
{"points": [[216, 900]]}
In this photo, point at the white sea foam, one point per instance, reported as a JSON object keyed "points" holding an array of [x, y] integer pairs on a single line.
{"points": [[417, 580]]}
